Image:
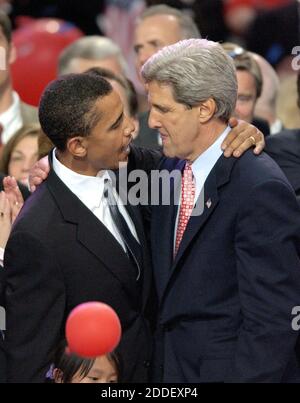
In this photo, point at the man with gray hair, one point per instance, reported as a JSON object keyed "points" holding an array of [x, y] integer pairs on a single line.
{"points": [[92, 51], [226, 254], [160, 26]]}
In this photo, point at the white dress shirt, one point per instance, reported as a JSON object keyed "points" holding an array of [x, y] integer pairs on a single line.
{"points": [[201, 168], [11, 119], [1, 256], [276, 127], [89, 190]]}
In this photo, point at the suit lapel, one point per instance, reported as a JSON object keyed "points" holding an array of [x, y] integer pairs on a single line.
{"points": [[207, 202], [163, 233], [93, 235]]}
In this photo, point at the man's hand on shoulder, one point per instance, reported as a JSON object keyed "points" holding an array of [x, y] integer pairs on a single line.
{"points": [[38, 173], [242, 137]]}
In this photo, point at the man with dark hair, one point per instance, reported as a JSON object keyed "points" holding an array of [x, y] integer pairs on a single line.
{"points": [[285, 149], [13, 112], [68, 245], [125, 88]]}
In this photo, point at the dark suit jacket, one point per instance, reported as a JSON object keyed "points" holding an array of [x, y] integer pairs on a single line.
{"points": [[261, 125], [225, 302], [284, 148], [58, 256]]}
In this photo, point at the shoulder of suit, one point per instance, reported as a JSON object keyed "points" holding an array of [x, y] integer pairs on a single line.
{"points": [[288, 139], [29, 113]]}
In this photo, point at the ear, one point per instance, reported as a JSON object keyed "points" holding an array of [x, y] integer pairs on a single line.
{"points": [[12, 53], [207, 110], [57, 375], [77, 146]]}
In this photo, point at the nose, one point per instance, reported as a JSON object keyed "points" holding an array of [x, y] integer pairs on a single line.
{"points": [[130, 127], [143, 56], [153, 121], [26, 166]]}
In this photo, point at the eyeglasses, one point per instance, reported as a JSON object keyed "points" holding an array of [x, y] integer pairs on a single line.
{"points": [[238, 51]]}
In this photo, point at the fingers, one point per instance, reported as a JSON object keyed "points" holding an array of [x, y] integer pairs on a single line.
{"points": [[36, 177], [5, 219], [241, 138], [13, 195], [233, 122], [38, 173], [260, 144]]}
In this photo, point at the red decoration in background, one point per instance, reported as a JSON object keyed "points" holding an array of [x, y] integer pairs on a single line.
{"points": [[38, 44]]}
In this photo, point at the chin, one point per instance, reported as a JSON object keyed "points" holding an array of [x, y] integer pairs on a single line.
{"points": [[169, 152]]}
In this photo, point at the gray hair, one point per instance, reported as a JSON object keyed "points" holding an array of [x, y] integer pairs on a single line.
{"points": [[93, 48], [196, 70], [188, 26]]}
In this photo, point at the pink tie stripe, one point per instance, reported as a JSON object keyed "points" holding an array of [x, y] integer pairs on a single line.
{"points": [[187, 203]]}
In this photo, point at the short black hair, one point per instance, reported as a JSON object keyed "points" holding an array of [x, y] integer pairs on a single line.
{"points": [[124, 82], [5, 24], [67, 107]]}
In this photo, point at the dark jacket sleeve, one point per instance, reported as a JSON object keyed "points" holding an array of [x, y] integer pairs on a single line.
{"points": [[35, 306], [268, 269]]}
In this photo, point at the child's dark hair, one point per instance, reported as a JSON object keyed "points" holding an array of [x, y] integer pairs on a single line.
{"points": [[70, 364]]}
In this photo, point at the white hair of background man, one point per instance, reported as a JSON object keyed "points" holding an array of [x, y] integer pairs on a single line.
{"points": [[92, 48]]}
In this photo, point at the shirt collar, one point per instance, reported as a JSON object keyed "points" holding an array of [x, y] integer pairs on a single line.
{"points": [[88, 189], [202, 166], [8, 115]]}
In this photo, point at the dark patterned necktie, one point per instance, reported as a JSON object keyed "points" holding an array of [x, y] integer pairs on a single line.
{"points": [[133, 248]]}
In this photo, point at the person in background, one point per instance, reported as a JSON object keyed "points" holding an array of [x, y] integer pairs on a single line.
{"points": [[21, 153], [250, 83], [92, 51], [284, 148], [70, 368], [13, 112], [11, 202], [156, 27], [265, 107]]}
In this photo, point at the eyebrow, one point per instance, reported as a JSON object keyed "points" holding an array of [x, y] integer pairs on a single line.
{"points": [[161, 108], [117, 122]]}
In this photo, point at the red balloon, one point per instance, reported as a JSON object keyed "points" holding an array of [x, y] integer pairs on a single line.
{"points": [[38, 44], [93, 329]]}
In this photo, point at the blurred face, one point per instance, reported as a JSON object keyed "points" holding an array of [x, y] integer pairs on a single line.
{"points": [[152, 34], [103, 371], [246, 98], [23, 157], [80, 65], [7, 56], [178, 126], [108, 143]]}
